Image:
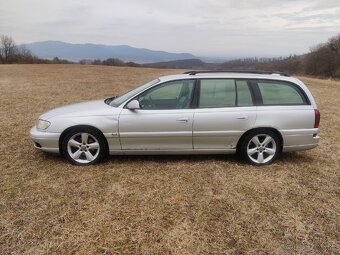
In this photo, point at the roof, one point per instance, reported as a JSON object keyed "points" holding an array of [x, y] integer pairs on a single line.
{"points": [[230, 74], [235, 71]]}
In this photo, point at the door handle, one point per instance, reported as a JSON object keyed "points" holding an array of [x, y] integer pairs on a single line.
{"points": [[183, 120], [242, 117]]}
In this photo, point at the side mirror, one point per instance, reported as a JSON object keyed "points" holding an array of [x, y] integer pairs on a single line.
{"points": [[133, 105]]}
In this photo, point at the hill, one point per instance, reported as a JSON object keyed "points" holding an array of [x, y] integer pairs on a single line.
{"points": [[323, 61], [76, 52], [180, 64]]}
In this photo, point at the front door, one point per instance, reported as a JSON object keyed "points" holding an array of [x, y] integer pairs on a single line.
{"points": [[164, 120]]}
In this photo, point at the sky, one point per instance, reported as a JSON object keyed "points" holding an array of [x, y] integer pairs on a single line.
{"points": [[215, 28]]}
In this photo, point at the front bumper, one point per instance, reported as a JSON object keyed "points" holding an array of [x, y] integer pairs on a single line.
{"points": [[45, 141]]}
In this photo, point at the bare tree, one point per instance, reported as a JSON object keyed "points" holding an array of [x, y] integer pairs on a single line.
{"points": [[334, 44], [8, 49], [24, 56]]}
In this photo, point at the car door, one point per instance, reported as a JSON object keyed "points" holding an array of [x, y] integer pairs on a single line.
{"points": [[224, 112], [164, 120]]}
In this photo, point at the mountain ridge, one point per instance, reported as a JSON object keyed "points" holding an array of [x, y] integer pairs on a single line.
{"points": [[77, 51]]}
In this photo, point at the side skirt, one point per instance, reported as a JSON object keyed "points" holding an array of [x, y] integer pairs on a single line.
{"points": [[171, 152]]}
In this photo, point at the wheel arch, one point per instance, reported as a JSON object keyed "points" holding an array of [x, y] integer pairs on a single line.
{"points": [[67, 130], [277, 132]]}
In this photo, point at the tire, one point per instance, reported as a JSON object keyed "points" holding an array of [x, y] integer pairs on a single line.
{"points": [[84, 146], [260, 147]]}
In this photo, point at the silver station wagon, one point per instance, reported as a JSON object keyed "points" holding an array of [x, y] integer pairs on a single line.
{"points": [[255, 114]]}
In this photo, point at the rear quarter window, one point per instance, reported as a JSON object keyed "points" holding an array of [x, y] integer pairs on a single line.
{"points": [[281, 93]]}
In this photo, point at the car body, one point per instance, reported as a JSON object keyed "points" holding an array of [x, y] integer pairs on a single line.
{"points": [[190, 113]]}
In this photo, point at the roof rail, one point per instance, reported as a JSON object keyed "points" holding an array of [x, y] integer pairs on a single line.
{"points": [[236, 71]]}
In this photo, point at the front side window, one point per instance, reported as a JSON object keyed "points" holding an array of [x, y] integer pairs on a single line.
{"points": [[280, 93], [121, 99], [169, 95], [217, 93]]}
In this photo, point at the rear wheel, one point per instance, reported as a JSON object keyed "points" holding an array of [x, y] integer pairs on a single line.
{"points": [[260, 147], [84, 146]]}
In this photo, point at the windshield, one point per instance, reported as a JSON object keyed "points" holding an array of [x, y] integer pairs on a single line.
{"points": [[121, 99]]}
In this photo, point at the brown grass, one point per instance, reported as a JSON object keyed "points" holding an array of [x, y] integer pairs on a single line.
{"points": [[157, 204]]}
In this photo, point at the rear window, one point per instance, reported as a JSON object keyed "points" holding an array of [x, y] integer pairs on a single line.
{"points": [[280, 93]]}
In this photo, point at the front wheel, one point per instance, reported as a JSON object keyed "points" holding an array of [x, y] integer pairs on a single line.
{"points": [[84, 146], [260, 147]]}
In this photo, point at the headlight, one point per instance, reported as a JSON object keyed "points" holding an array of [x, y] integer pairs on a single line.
{"points": [[43, 124]]}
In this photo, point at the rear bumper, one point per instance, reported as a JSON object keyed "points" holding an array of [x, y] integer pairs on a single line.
{"points": [[299, 147], [300, 139], [45, 141]]}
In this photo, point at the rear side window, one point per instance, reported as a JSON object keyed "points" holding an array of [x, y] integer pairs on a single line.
{"points": [[243, 94], [280, 93], [216, 93]]}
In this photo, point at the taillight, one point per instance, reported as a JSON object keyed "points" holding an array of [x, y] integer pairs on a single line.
{"points": [[317, 118]]}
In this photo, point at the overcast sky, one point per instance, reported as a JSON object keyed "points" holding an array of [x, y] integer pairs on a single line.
{"points": [[225, 28]]}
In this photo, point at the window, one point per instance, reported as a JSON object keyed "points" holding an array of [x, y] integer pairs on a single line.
{"points": [[280, 93], [216, 93], [243, 94], [121, 99], [169, 95]]}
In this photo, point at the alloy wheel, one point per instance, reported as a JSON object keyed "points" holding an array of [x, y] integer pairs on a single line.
{"points": [[261, 148], [83, 147]]}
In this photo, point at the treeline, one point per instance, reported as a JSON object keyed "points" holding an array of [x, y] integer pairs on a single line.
{"points": [[10, 53], [291, 64], [322, 61], [109, 62]]}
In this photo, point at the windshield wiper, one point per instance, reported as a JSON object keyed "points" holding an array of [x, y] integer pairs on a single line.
{"points": [[109, 100]]}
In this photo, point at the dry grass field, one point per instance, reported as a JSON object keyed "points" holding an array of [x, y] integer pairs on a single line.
{"points": [[157, 204]]}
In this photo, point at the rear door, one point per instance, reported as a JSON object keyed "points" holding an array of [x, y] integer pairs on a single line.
{"points": [[225, 110]]}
